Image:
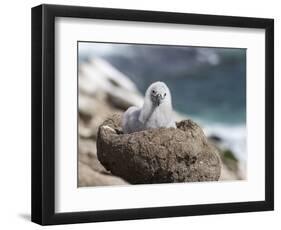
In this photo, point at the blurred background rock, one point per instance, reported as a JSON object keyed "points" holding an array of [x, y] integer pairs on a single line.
{"points": [[208, 85]]}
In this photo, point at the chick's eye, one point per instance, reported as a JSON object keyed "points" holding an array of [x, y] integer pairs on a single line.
{"points": [[153, 91], [164, 94]]}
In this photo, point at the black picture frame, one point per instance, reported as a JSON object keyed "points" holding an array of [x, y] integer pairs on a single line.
{"points": [[43, 114]]}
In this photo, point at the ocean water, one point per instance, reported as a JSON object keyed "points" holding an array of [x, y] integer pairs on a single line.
{"points": [[207, 84]]}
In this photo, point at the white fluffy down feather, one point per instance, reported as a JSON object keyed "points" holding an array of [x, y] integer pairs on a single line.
{"points": [[156, 111]]}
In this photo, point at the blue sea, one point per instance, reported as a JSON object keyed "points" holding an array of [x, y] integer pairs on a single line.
{"points": [[207, 84]]}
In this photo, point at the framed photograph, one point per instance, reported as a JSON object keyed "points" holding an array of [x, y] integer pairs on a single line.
{"points": [[142, 114]]}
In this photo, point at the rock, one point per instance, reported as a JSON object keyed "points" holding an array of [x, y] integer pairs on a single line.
{"points": [[88, 155], [231, 164], [87, 107], [158, 155], [215, 138], [89, 177], [227, 174], [98, 76], [113, 75], [123, 100], [231, 169]]}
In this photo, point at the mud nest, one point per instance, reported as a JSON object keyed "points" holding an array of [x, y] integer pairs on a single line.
{"points": [[161, 155]]}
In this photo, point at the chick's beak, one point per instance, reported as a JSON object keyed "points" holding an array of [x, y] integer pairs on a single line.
{"points": [[159, 99]]}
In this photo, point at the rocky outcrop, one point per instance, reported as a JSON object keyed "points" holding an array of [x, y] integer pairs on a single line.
{"points": [[232, 169], [158, 155], [103, 90], [89, 177]]}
